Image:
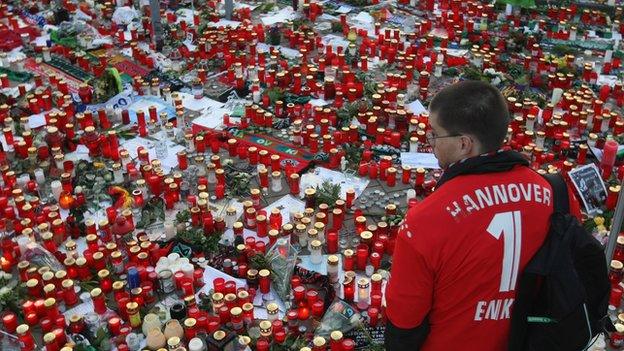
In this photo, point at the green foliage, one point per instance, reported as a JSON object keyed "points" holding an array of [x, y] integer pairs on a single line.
{"points": [[562, 50], [100, 341], [353, 155], [260, 261], [95, 179], [183, 216], [238, 179], [473, 73], [195, 237], [106, 86], [371, 345], [327, 193], [336, 27], [589, 224], [11, 295], [357, 3], [275, 94], [152, 212], [264, 8], [346, 113]]}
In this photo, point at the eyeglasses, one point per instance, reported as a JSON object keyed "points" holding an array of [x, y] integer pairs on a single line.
{"points": [[431, 137]]}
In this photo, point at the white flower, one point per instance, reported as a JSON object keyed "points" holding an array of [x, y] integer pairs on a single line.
{"points": [[4, 291]]}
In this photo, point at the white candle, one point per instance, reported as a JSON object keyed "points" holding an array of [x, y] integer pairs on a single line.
{"points": [[411, 193], [39, 176], [556, 96], [508, 9], [188, 270], [57, 188]]}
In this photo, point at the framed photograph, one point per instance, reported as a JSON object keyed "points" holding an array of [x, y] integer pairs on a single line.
{"points": [[589, 187]]}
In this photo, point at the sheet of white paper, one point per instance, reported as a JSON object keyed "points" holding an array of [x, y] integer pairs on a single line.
{"points": [[36, 121], [218, 207], [14, 91], [318, 102], [327, 17], [81, 153], [168, 162], [457, 52], [202, 105], [224, 23], [80, 309], [344, 9], [287, 52], [335, 41], [281, 16], [419, 159], [416, 107], [211, 111], [260, 301], [321, 267], [42, 40], [185, 15], [287, 205], [364, 18], [211, 273], [241, 5], [345, 181], [606, 80]]}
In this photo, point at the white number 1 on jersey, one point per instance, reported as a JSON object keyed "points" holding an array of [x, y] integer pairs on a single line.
{"points": [[509, 225]]}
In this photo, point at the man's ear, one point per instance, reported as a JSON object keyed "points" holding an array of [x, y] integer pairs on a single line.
{"points": [[468, 144]]}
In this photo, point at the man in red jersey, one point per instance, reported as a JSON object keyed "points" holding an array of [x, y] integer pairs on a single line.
{"points": [[460, 251]]}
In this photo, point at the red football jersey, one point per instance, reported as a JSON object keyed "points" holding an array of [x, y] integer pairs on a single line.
{"points": [[459, 254]]}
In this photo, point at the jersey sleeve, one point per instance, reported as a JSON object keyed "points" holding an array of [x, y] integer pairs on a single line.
{"points": [[409, 294]]}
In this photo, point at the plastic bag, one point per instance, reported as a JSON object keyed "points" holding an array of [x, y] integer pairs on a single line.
{"points": [[40, 257], [9, 342], [282, 258], [339, 316], [125, 15]]}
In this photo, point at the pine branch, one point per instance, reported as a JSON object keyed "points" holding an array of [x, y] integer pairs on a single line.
{"points": [[327, 193]]}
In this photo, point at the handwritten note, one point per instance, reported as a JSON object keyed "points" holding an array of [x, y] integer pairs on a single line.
{"points": [[419, 159]]}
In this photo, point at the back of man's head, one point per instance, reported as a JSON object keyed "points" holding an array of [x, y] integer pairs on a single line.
{"points": [[475, 108]]}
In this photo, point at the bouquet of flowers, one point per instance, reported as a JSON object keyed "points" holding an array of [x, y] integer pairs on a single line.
{"points": [[282, 257]]}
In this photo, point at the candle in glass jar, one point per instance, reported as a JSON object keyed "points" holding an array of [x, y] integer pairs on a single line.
{"points": [[612, 197], [348, 263], [361, 257], [99, 301], [316, 256], [608, 158], [265, 281], [348, 292], [9, 320]]}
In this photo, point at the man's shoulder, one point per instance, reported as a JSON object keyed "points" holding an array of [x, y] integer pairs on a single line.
{"points": [[435, 205]]}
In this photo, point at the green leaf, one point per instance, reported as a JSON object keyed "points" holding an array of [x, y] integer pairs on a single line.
{"points": [[327, 193]]}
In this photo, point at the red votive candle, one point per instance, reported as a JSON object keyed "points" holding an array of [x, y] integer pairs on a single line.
{"points": [[9, 320], [348, 261], [608, 158]]}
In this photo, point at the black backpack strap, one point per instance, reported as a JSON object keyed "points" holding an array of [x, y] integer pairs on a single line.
{"points": [[560, 193], [528, 284]]}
